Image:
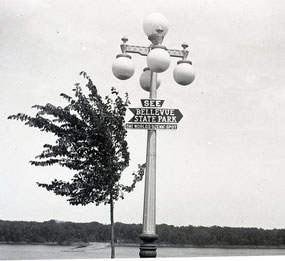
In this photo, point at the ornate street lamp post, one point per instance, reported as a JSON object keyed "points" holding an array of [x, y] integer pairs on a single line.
{"points": [[158, 60]]}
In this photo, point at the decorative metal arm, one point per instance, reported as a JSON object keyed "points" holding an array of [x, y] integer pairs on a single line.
{"points": [[142, 50]]}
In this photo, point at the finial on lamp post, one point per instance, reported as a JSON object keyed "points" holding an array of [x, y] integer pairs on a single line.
{"points": [[124, 44], [157, 37], [185, 52], [124, 39]]}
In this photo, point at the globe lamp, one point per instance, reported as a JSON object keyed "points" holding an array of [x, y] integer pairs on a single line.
{"points": [[123, 67], [154, 21], [158, 59], [184, 73], [145, 80]]}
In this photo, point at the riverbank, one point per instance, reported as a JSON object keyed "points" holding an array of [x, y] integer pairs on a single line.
{"points": [[44, 252]]}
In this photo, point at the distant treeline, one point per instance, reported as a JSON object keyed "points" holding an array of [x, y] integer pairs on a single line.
{"points": [[69, 232]]}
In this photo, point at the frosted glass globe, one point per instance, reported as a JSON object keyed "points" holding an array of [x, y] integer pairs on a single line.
{"points": [[158, 60], [145, 79], [123, 67], [153, 22], [184, 73]]}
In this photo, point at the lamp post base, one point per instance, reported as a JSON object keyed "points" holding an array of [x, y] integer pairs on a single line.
{"points": [[148, 247]]}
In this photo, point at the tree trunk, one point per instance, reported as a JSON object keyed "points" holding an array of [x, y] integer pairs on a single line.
{"points": [[112, 229]]}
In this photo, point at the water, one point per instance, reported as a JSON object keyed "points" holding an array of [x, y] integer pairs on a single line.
{"points": [[101, 250]]}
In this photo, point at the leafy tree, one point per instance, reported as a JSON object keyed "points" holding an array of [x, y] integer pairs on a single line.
{"points": [[90, 141]]}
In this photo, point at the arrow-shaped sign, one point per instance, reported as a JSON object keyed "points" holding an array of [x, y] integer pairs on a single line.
{"points": [[155, 115]]}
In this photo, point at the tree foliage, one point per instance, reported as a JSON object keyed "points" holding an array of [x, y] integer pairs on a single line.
{"points": [[90, 141]]}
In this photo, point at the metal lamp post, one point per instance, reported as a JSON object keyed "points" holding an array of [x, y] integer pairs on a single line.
{"points": [[158, 60]]}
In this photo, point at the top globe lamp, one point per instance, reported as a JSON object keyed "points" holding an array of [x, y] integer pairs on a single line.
{"points": [[154, 21], [123, 67], [184, 73]]}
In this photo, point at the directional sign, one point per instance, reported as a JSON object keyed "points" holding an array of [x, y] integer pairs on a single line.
{"points": [[151, 126], [155, 115]]}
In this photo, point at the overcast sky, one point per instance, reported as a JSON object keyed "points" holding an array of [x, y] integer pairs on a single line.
{"points": [[224, 165]]}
